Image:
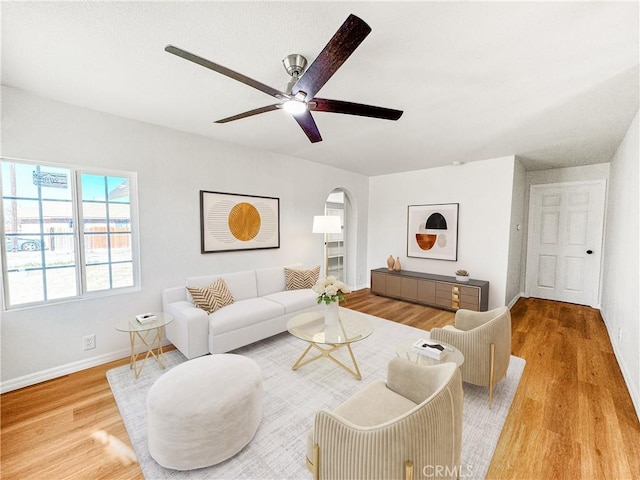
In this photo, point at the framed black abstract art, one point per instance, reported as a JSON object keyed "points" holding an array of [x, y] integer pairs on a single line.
{"points": [[432, 231]]}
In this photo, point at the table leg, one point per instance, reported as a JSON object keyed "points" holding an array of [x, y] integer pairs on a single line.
{"points": [[132, 341], [156, 343], [326, 353]]}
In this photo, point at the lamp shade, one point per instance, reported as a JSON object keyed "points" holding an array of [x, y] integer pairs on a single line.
{"points": [[326, 224]]}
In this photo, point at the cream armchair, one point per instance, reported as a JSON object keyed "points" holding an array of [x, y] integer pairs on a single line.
{"points": [[484, 338], [385, 431]]}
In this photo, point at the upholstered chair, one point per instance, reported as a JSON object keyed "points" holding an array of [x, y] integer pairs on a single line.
{"points": [[484, 338], [394, 430]]}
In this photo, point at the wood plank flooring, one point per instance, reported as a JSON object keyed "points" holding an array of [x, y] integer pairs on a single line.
{"points": [[572, 416]]}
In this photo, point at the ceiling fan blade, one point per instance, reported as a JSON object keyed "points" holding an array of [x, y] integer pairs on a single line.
{"points": [[343, 43], [226, 71], [250, 113], [308, 125], [338, 106]]}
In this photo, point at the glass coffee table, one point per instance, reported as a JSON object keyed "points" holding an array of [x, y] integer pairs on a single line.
{"points": [[351, 327], [150, 335], [405, 350]]}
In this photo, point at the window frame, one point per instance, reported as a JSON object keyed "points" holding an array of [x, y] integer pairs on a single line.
{"points": [[80, 257]]}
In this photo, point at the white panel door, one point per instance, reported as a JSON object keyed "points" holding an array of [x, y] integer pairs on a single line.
{"points": [[565, 241]]}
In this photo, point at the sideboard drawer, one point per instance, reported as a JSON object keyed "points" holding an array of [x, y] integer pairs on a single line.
{"points": [[470, 298]]}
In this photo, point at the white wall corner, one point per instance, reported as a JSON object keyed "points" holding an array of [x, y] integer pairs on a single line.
{"points": [[514, 300]]}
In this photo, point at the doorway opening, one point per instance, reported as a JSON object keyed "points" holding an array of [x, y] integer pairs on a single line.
{"points": [[335, 249]]}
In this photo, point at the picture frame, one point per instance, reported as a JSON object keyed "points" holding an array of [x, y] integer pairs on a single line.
{"points": [[232, 222], [432, 231]]}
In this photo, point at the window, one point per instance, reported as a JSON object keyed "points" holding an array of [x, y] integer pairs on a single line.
{"points": [[68, 233]]}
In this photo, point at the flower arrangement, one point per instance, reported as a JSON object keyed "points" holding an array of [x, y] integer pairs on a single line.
{"points": [[330, 290]]}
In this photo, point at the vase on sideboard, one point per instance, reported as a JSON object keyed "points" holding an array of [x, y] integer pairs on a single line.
{"points": [[390, 262], [396, 265]]}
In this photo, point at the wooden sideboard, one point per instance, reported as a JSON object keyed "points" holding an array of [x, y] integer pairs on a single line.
{"points": [[433, 290]]}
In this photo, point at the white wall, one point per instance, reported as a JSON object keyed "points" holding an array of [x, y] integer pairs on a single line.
{"points": [[516, 267], [620, 305], [484, 191], [172, 167]]}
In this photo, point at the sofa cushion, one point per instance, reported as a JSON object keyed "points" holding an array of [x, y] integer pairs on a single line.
{"points": [[243, 314], [241, 284], [383, 404], [294, 300], [297, 279], [270, 280], [202, 281]]}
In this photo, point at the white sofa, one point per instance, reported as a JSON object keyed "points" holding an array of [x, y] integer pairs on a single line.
{"points": [[262, 306]]}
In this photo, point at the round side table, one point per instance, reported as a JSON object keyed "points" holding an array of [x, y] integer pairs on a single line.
{"points": [[150, 335]]}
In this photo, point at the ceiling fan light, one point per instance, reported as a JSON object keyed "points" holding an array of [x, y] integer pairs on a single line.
{"points": [[294, 107]]}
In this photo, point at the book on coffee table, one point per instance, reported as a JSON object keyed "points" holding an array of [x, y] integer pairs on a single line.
{"points": [[144, 318], [430, 349]]}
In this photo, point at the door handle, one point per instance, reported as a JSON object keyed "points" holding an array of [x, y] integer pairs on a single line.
{"points": [[589, 252]]}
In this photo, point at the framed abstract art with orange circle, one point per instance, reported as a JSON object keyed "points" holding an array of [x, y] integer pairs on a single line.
{"points": [[230, 221]]}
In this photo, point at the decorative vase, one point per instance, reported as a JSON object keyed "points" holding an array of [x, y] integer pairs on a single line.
{"points": [[331, 313], [396, 264], [462, 278], [390, 262]]}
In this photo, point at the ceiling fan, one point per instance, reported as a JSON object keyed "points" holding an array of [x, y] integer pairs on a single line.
{"points": [[299, 96]]}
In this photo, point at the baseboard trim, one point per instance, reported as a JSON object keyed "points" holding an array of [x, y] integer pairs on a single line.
{"points": [[514, 300], [60, 371], [633, 393]]}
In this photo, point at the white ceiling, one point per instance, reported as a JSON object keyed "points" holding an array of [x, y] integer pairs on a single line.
{"points": [[554, 83]]}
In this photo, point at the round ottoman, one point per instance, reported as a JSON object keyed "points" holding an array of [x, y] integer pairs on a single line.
{"points": [[204, 411]]}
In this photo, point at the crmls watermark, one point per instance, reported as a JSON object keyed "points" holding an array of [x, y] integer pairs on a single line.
{"points": [[447, 471]]}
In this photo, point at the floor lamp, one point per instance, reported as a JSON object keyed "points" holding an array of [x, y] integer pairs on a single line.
{"points": [[326, 224]]}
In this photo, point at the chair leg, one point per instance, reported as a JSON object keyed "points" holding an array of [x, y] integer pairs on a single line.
{"points": [[491, 379], [408, 470], [316, 462]]}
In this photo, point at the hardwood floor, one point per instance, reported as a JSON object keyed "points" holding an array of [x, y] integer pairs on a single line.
{"points": [[572, 416]]}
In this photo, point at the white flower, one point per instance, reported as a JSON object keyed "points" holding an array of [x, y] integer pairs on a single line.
{"points": [[330, 289], [342, 287]]}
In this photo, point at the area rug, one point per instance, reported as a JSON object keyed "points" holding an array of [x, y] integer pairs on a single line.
{"points": [[291, 399]]}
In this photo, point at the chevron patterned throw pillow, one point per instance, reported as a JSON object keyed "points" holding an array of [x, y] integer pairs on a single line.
{"points": [[299, 279], [202, 297], [221, 294], [212, 297]]}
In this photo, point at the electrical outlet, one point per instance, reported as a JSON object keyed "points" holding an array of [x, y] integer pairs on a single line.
{"points": [[619, 333], [89, 342]]}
